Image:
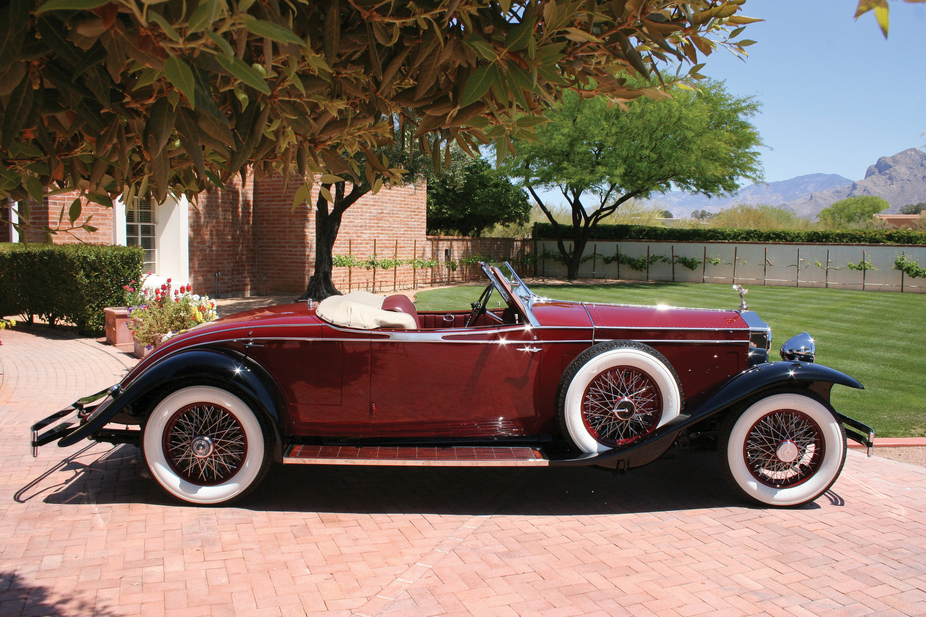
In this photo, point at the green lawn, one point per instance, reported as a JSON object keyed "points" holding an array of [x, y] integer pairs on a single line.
{"points": [[876, 337]]}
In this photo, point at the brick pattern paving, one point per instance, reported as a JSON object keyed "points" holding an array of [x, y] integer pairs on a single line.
{"points": [[84, 531]]}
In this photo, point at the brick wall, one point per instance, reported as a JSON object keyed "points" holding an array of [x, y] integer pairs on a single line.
{"points": [[47, 214], [222, 240]]}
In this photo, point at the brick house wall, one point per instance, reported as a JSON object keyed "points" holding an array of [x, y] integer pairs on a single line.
{"points": [[222, 240], [46, 215]]}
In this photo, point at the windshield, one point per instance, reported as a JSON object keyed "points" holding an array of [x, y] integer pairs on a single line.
{"points": [[518, 296]]}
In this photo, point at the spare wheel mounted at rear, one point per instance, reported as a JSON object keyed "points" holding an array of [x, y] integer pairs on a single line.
{"points": [[616, 393]]}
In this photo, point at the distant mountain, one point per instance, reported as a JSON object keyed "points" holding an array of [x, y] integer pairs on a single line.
{"points": [[898, 179], [774, 194]]}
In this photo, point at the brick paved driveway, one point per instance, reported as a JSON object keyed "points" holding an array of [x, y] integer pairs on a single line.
{"points": [[84, 531]]}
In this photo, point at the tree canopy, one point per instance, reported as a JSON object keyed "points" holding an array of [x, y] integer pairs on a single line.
{"points": [[852, 211], [137, 97], [477, 199], [598, 157]]}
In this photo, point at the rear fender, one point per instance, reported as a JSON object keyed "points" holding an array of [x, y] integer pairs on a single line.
{"points": [[213, 366]]}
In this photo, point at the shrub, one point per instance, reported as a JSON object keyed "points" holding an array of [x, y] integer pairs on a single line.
{"points": [[72, 283]]}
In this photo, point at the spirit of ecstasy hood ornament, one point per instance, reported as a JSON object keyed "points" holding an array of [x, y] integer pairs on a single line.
{"points": [[742, 292]]}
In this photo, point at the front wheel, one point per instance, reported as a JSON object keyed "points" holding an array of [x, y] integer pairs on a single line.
{"points": [[205, 446], [784, 449]]}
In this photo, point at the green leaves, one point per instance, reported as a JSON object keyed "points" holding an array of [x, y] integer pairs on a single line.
{"points": [[272, 31], [70, 5], [180, 74], [243, 72]]}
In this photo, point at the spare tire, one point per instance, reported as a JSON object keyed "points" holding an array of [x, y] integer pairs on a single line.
{"points": [[616, 393]]}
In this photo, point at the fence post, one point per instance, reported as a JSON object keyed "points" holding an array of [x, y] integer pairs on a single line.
{"points": [[735, 259], [704, 266], [594, 259], [433, 260], [826, 269], [647, 262], [415, 265], [672, 252], [617, 256], [765, 268], [902, 254], [395, 266], [797, 267], [864, 269]]}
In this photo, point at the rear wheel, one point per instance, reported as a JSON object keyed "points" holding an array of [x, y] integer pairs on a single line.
{"points": [[204, 445], [786, 448], [616, 393]]}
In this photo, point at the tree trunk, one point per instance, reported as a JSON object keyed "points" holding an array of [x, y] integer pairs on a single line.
{"points": [[578, 249], [327, 225]]}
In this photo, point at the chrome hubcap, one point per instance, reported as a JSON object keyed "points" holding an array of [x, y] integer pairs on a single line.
{"points": [[787, 451], [625, 409], [202, 447]]}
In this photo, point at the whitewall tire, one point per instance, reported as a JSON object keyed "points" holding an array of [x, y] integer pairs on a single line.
{"points": [[205, 446], [616, 393], [785, 448]]}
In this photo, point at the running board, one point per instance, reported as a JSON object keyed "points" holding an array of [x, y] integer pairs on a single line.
{"points": [[455, 456]]}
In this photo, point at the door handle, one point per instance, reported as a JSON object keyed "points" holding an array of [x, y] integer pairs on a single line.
{"points": [[249, 344], [528, 348]]}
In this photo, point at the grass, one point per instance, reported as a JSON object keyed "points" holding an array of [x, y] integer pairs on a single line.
{"points": [[876, 337]]}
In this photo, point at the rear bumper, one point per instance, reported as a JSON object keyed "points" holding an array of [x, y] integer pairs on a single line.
{"points": [[81, 410]]}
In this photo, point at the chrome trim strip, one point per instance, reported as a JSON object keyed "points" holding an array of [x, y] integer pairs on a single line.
{"points": [[476, 342], [542, 462]]}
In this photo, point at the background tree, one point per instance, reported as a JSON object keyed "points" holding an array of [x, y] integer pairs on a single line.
{"points": [[913, 208], [599, 156], [133, 98], [477, 199], [666, 214], [852, 211]]}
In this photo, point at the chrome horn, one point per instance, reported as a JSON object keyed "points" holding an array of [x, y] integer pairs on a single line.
{"points": [[800, 347]]}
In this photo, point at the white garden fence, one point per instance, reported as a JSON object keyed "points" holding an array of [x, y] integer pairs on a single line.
{"points": [[837, 266]]}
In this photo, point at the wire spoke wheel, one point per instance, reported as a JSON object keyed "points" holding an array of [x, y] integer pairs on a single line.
{"points": [[205, 444], [621, 405], [784, 448]]}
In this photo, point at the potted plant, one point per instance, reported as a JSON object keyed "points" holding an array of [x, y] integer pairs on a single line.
{"points": [[165, 311]]}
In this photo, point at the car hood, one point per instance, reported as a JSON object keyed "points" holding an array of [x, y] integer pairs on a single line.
{"points": [[619, 316]]}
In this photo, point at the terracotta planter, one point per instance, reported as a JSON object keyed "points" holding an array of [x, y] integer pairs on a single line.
{"points": [[140, 350], [117, 325]]}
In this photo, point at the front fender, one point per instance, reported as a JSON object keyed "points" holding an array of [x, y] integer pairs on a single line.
{"points": [[219, 366], [769, 375]]}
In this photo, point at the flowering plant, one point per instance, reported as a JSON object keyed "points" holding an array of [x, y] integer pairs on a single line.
{"points": [[165, 311]]}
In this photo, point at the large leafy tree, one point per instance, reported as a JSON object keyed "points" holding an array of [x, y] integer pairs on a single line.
{"points": [[598, 156], [134, 97], [474, 200], [852, 211]]}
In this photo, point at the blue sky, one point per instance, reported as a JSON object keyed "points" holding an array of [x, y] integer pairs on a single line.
{"points": [[835, 94]]}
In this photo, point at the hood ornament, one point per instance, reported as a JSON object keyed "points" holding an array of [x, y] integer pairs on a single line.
{"points": [[742, 292]]}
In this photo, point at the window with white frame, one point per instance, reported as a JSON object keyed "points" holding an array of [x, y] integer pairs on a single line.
{"points": [[140, 227]]}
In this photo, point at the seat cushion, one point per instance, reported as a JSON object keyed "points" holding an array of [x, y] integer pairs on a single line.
{"points": [[401, 304], [363, 311]]}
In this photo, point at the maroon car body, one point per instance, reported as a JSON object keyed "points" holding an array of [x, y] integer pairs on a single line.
{"points": [[533, 382]]}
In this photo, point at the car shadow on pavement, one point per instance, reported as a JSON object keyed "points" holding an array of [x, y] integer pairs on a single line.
{"points": [[688, 480]]}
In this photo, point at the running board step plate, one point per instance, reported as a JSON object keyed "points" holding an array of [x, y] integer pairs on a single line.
{"points": [[456, 456]]}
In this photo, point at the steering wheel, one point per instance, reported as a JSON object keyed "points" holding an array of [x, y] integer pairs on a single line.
{"points": [[479, 306]]}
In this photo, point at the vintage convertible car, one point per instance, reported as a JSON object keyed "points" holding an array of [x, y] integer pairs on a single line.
{"points": [[363, 379]]}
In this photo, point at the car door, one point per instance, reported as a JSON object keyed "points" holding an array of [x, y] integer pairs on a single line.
{"points": [[455, 383]]}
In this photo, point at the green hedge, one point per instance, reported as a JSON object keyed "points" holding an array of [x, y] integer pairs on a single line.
{"points": [[672, 234], [71, 283]]}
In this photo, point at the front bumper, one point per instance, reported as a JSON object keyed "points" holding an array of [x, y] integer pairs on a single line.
{"points": [[858, 432], [82, 408]]}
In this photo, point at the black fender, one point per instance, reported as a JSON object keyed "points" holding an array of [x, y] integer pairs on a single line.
{"points": [[771, 375], [209, 365], [742, 386]]}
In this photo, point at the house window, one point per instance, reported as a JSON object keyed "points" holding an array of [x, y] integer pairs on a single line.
{"points": [[140, 231]]}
